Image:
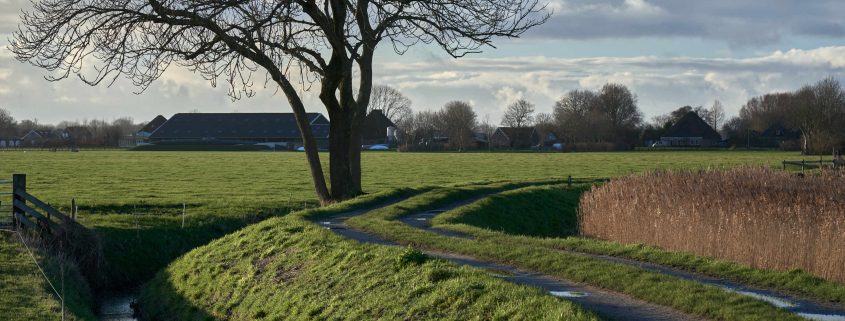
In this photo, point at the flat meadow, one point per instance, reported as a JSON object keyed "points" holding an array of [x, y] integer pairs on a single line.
{"points": [[134, 200]]}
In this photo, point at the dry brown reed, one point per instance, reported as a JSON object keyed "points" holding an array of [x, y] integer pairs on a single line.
{"points": [[757, 216]]}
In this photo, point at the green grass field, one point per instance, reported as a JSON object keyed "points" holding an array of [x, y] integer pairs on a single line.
{"points": [[134, 199]]}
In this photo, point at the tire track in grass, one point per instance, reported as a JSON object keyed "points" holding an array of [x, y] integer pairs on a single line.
{"points": [[605, 303], [804, 307]]}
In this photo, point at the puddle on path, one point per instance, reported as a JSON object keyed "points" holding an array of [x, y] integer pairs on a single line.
{"points": [[117, 307], [822, 317], [780, 303], [569, 294]]}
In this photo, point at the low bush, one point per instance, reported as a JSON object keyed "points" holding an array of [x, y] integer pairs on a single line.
{"points": [[756, 216]]}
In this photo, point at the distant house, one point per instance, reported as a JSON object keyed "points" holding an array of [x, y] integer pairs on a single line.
{"points": [[780, 136], [378, 129], [142, 136], [691, 131], [514, 137], [276, 129], [150, 128], [76, 135], [39, 138]]}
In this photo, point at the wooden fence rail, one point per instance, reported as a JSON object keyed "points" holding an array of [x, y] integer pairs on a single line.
{"points": [[55, 228], [813, 164]]}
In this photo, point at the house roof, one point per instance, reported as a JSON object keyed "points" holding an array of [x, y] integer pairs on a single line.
{"points": [[780, 131], [375, 125], [154, 124], [691, 125], [519, 135], [40, 133], [237, 126]]}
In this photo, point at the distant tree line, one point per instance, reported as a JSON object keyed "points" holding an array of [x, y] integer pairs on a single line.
{"points": [[815, 112], [93, 133]]}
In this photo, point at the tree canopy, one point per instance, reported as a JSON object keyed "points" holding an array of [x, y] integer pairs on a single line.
{"points": [[324, 46]]}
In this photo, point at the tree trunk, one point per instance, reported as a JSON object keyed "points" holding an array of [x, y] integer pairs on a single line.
{"points": [[345, 183], [308, 141]]}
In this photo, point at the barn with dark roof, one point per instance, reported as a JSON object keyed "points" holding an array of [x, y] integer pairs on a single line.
{"points": [[691, 131], [515, 137], [278, 129]]}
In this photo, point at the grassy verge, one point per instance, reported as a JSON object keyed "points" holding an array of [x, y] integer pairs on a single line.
{"points": [[25, 295], [287, 268], [687, 296], [513, 213]]}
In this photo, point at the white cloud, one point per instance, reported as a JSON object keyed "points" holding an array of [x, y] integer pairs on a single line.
{"points": [[662, 84]]}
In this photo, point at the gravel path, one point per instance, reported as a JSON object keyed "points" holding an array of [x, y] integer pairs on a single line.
{"points": [[805, 307], [607, 304]]}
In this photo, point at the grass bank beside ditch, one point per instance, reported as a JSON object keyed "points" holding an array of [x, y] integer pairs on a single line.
{"points": [[26, 295], [288, 268], [691, 297], [515, 217]]}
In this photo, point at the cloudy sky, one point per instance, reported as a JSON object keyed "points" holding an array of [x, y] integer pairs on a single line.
{"points": [[670, 53]]}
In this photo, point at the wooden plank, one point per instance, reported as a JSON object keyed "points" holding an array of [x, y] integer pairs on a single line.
{"points": [[38, 203], [29, 210], [25, 221]]}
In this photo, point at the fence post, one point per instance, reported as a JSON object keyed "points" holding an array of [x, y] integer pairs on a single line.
{"points": [[18, 186], [73, 208]]}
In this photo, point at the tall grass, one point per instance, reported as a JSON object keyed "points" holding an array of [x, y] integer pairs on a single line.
{"points": [[756, 216]]}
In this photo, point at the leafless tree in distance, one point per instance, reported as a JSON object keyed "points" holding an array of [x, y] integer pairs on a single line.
{"points": [[716, 114], [292, 45], [519, 114], [391, 102], [458, 120]]}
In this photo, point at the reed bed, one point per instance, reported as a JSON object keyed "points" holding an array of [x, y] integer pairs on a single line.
{"points": [[756, 216]]}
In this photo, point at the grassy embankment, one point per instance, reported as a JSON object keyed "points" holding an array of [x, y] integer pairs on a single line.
{"points": [[691, 297], [289, 268], [26, 295], [517, 217]]}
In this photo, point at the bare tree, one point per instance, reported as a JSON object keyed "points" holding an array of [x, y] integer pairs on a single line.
{"points": [[391, 102], [578, 117], [818, 114], [519, 114], [716, 114], [488, 129], [292, 44], [620, 106], [8, 125], [544, 124], [457, 120]]}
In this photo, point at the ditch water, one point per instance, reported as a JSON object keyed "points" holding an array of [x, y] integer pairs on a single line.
{"points": [[117, 306]]}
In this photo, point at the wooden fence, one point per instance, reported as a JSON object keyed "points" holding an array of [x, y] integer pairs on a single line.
{"points": [[56, 230], [835, 164]]}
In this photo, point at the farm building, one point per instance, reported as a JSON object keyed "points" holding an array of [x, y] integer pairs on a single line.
{"points": [[276, 129], [514, 137], [378, 129], [780, 136], [143, 135], [39, 138], [691, 131]]}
